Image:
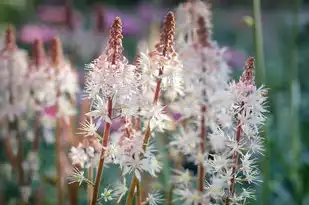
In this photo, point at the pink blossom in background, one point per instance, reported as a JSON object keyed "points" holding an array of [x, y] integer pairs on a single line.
{"points": [[30, 32], [148, 12], [57, 14], [51, 111], [235, 58], [131, 24]]}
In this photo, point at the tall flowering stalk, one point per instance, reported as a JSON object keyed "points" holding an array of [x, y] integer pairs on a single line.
{"points": [[231, 113], [110, 85], [39, 78], [164, 52], [142, 95], [248, 109], [66, 89], [15, 97], [203, 42], [132, 93], [206, 76], [114, 57]]}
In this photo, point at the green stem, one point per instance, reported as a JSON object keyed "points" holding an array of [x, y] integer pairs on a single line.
{"points": [[294, 105], [258, 43], [261, 79]]}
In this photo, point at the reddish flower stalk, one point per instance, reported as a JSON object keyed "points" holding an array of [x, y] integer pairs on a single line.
{"points": [[101, 162], [56, 55], [38, 60], [137, 126], [164, 47], [38, 53], [138, 194], [10, 39], [114, 47], [203, 41], [248, 79]]}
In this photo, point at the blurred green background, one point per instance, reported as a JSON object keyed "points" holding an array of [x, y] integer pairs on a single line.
{"points": [[285, 23]]}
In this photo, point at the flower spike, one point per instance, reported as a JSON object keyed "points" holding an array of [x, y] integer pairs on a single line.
{"points": [[10, 38], [248, 74], [167, 35], [115, 49], [56, 51], [38, 53]]}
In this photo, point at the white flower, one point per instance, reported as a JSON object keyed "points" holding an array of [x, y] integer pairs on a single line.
{"points": [[219, 163], [100, 110], [247, 194], [216, 189], [154, 198], [138, 164], [120, 189], [107, 195], [88, 128], [182, 177], [14, 102], [67, 80], [256, 145], [158, 119], [109, 80], [65, 108], [186, 142], [43, 87], [134, 164], [78, 176], [78, 156], [188, 196], [154, 166], [218, 139], [112, 153]]}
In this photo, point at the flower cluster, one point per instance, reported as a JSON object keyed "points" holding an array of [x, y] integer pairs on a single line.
{"points": [[86, 154], [13, 73], [28, 89], [220, 119], [110, 77], [118, 89], [41, 80], [218, 129], [232, 159], [66, 82]]}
